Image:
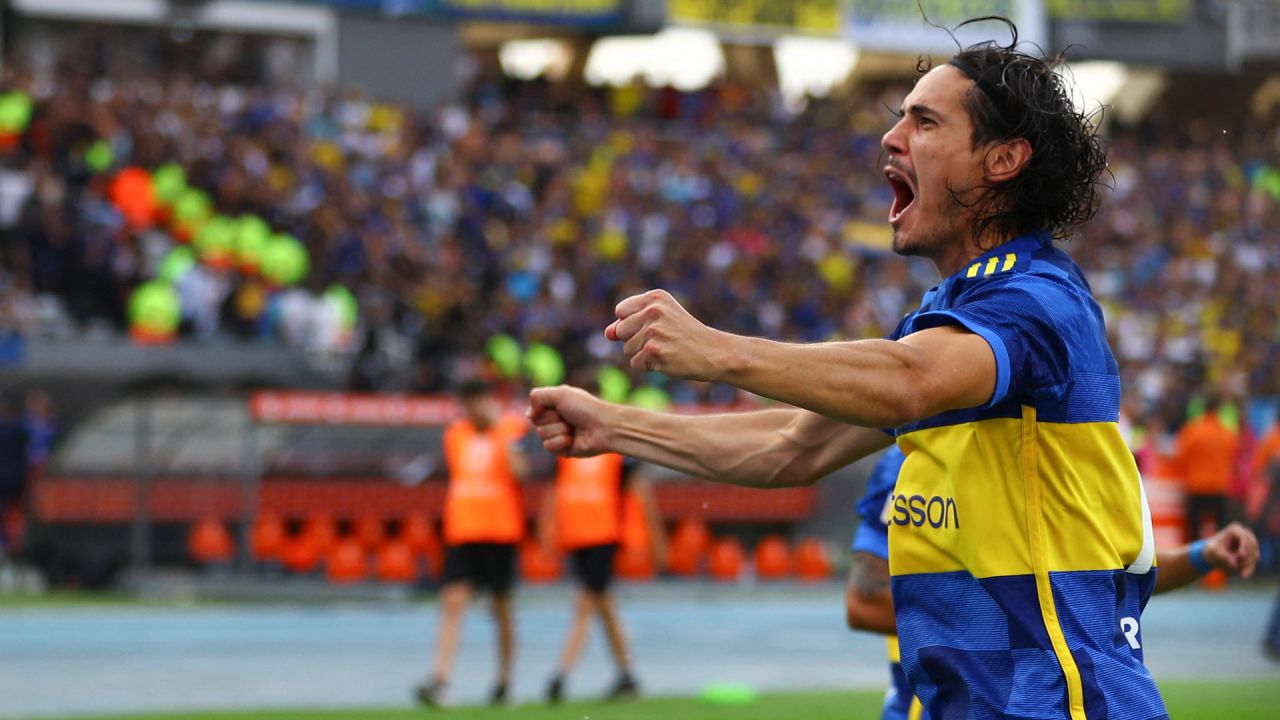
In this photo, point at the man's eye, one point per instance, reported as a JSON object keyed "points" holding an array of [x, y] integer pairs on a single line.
{"points": [[927, 122]]}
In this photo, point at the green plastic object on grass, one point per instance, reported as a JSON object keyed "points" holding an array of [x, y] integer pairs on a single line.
{"points": [[729, 694]]}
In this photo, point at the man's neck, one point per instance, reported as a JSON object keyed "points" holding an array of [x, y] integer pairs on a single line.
{"points": [[956, 257]]}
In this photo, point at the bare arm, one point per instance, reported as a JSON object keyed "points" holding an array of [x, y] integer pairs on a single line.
{"points": [[873, 383], [652, 519], [547, 517], [1233, 549], [868, 602], [769, 448]]}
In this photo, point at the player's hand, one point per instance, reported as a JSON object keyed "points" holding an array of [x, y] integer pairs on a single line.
{"points": [[1234, 548], [658, 334], [570, 421]]}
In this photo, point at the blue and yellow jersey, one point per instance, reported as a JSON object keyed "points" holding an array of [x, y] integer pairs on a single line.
{"points": [[1020, 543], [872, 536]]}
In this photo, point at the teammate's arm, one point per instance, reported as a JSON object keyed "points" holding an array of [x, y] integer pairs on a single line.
{"points": [[1234, 549], [872, 383], [868, 602], [768, 448]]}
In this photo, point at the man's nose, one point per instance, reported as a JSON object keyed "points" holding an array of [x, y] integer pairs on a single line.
{"points": [[894, 141]]}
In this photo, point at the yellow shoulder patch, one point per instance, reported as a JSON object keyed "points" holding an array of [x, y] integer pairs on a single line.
{"points": [[992, 265]]}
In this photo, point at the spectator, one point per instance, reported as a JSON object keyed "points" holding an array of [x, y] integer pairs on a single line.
{"points": [[530, 208], [1262, 505], [42, 428], [13, 468]]}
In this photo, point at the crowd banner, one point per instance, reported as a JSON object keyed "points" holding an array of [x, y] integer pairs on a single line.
{"points": [[896, 26], [760, 17]]}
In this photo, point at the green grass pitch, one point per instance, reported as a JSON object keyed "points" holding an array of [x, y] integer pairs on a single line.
{"points": [[1250, 700]]}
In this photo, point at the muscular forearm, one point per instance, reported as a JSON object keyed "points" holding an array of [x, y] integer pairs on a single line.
{"points": [[872, 383], [769, 448]]}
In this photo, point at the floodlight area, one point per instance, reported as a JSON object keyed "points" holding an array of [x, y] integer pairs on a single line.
{"points": [[812, 66], [687, 59], [1126, 92], [528, 59], [684, 58]]}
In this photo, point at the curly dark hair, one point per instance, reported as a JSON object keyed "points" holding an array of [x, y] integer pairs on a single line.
{"points": [[1019, 95]]}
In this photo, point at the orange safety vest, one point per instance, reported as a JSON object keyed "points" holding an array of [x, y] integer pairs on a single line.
{"points": [[483, 504], [1207, 455], [635, 527], [589, 501]]}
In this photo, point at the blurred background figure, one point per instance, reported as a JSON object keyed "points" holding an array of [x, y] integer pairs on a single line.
{"points": [[586, 516], [483, 523], [1262, 502], [42, 428], [1207, 457], [15, 443]]}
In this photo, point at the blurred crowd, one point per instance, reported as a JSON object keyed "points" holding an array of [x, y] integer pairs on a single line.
{"points": [[529, 209]]}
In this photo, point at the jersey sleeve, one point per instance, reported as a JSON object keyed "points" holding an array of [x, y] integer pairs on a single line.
{"points": [[872, 535], [1028, 321]]}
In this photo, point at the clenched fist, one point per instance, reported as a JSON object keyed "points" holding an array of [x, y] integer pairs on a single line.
{"points": [[1234, 549], [570, 421], [658, 334]]}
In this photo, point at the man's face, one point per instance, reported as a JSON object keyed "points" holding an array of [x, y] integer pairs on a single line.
{"points": [[930, 155], [481, 410]]}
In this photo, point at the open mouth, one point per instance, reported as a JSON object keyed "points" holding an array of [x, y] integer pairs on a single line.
{"points": [[904, 193]]}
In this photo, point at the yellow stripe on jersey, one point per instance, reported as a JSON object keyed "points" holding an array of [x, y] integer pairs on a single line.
{"points": [[1010, 259], [891, 646], [961, 502], [1037, 539], [916, 711]]}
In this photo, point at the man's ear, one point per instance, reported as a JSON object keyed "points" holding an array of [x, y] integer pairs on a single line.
{"points": [[1006, 159]]}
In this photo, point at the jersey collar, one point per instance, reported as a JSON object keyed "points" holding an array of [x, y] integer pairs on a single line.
{"points": [[1021, 247]]}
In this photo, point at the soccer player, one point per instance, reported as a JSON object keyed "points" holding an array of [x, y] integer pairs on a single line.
{"points": [[483, 522], [869, 604], [1018, 512], [584, 516]]}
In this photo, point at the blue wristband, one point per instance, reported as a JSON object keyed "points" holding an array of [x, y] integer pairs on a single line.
{"points": [[1196, 555]]}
